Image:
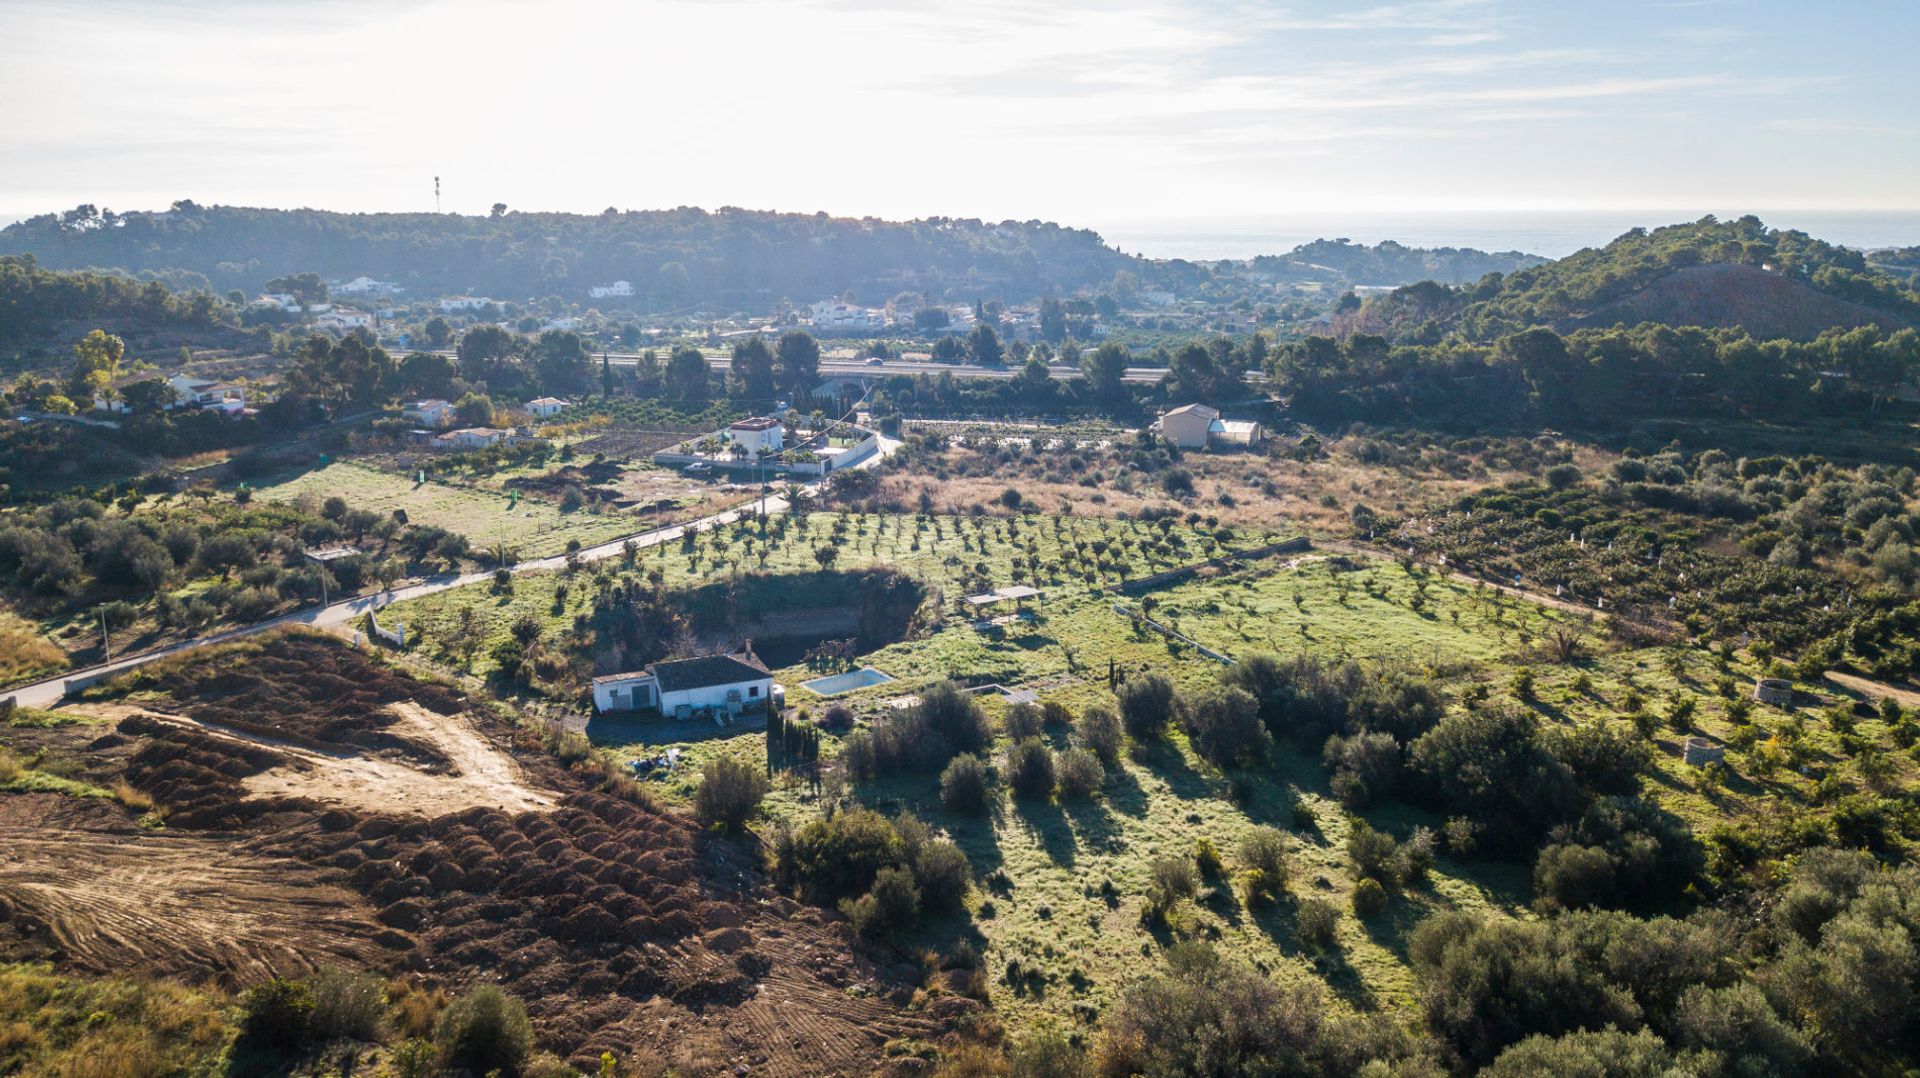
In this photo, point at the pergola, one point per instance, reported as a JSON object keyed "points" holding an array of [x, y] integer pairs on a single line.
{"points": [[1017, 594]]}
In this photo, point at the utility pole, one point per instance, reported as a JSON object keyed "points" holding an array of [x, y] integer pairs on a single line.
{"points": [[436, 194], [106, 642]]}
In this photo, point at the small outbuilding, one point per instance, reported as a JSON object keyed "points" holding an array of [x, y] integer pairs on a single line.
{"points": [[544, 407]]}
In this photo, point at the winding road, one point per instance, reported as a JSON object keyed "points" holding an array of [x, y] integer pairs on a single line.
{"points": [[45, 694]]}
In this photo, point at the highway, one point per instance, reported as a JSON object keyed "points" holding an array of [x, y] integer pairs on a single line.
{"points": [[842, 368]]}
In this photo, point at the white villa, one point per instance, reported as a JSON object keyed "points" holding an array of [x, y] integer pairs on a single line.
{"points": [[617, 288], [367, 286], [452, 304], [833, 317], [343, 320], [547, 406], [432, 412], [201, 393], [724, 684], [761, 434]]}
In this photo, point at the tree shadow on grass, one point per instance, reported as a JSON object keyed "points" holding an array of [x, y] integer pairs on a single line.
{"points": [[1095, 825], [1166, 760], [1050, 824], [1280, 921], [1125, 794]]}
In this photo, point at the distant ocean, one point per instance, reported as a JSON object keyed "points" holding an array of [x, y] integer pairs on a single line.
{"points": [[1554, 235]]}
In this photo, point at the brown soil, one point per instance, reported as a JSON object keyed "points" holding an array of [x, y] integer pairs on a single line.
{"points": [[298, 839], [80, 880]]}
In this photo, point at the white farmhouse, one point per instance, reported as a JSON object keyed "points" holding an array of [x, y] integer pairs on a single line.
{"points": [[761, 434], [471, 438], [451, 304], [201, 393], [1197, 426], [547, 406], [431, 412], [617, 288], [343, 320], [367, 286], [724, 684], [828, 316]]}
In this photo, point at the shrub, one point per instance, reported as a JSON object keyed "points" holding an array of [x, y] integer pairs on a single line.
{"points": [[277, 1016], [965, 784], [485, 1030], [956, 717], [1224, 725], [1317, 922], [414, 1059], [348, 1005], [890, 907], [1206, 857], [1264, 850], [1170, 879], [1369, 898], [838, 857], [1371, 851], [944, 875], [1146, 706], [1023, 721], [730, 792], [1030, 768], [1100, 732], [1080, 774]]}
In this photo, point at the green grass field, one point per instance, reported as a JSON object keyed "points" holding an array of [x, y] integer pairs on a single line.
{"points": [[533, 527], [1044, 902]]}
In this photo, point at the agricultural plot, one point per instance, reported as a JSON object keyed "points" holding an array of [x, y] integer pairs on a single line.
{"points": [[532, 526]]}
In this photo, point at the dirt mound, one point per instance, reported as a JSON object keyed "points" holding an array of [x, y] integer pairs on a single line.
{"points": [[620, 927], [82, 882], [307, 689], [1766, 305]]}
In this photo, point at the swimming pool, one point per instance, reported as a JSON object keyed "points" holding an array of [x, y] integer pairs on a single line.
{"points": [[835, 684]]}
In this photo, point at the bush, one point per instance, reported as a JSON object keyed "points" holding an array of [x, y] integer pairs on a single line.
{"points": [[1225, 728], [1264, 850], [1146, 706], [730, 792], [890, 907], [965, 784], [1030, 768], [1371, 851], [1369, 898], [277, 1016], [1080, 774], [485, 1030], [1023, 721], [838, 857], [347, 1005], [943, 874], [956, 717], [1317, 922], [1170, 879], [1100, 733]]}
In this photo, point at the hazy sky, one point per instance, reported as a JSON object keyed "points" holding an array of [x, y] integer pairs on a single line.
{"points": [[1108, 115]]}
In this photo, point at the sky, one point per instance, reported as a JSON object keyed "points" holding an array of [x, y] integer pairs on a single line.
{"points": [[1128, 117]]}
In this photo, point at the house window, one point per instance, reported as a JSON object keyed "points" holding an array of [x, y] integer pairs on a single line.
{"points": [[753, 691]]}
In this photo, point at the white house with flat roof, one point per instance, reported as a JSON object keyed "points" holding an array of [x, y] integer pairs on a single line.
{"points": [[724, 684], [761, 434], [617, 288], [451, 304]]}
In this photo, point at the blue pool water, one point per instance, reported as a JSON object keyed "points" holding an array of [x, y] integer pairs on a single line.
{"points": [[835, 684]]}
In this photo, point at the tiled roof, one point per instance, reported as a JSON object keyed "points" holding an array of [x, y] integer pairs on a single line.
{"points": [[679, 675]]}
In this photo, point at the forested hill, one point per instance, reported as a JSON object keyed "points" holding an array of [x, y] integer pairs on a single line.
{"points": [[672, 257], [1389, 263], [1717, 274]]}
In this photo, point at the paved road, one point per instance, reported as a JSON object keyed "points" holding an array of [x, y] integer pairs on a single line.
{"points": [[47, 693], [842, 368]]}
